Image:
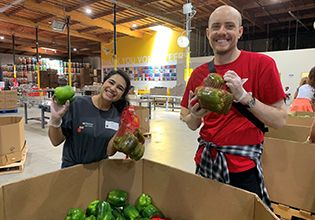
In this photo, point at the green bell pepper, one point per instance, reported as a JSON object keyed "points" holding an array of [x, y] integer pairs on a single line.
{"points": [[214, 80], [151, 211], [118, 215], [215, 100], [125, 143], [75, 214], [131, 212], [117, 197], [139, 135], [104, 211], [92, 208], [63, 93], [143, 201], [138, 152]]}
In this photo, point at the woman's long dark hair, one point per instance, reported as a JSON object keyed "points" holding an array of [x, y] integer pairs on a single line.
{"points": [[123, 101]]}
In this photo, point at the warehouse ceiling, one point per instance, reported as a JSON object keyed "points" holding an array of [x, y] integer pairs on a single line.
{"points": [[21, 17]]}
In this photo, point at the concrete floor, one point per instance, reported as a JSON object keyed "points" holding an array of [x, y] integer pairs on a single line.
{"points": [[171, 143]]}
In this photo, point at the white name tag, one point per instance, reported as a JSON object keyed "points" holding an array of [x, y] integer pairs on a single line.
{"points": [[112, 125]]}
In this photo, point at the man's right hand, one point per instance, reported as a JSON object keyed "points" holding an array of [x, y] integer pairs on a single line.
{"points": [[57, 112], [194, 107]]}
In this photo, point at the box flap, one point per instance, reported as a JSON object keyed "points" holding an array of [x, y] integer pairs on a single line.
{"points": [[262, 212], [289, 170], [290, 132], [123, 174], [55, 193], [1, 203], [183, 195]]}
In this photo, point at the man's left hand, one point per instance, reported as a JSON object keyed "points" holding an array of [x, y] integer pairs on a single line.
{"points": [[235, 84]]}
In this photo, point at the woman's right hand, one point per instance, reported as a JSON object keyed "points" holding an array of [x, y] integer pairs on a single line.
{"points": [[57, 112]]}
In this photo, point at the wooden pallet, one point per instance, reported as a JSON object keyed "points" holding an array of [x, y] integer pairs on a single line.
{"points": [[4, 111], [16, 167], [287, 213]]}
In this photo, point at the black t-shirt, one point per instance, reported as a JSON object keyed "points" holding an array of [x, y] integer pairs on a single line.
{"points": [[88, 131]]}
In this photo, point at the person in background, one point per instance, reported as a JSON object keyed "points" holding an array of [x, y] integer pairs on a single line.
{"points": [[230, 146], [303, 81], [88, 124], [304, 100]]}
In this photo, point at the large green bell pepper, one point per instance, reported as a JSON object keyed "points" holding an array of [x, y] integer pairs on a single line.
{"points": [[131, 212], [92, 208], [63, 93], [117, 197], [104, 211], [75, 214], [143, 201], [215, 100]]}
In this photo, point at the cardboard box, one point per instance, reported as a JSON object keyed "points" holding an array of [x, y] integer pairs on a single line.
{"points": [[289, 171], [12, 137], [143, 114], [290, 132], [8, 99], [179, 195], [299, 120]]}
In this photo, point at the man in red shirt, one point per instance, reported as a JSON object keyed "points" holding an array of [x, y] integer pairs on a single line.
{"points": [[230, 145]]}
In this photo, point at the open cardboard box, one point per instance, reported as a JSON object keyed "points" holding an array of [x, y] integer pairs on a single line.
{"points": [[297, 133], [12, 139], [179, 195], [289, 171]]}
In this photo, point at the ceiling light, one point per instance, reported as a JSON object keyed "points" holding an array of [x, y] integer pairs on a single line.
{"points": [[58, 25], [159, 28], [182, 41], [74, 49], [88, 11], [314, 25], [134, 25], [1, 38]]}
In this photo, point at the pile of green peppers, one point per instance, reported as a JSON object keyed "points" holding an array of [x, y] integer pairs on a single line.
{"points": [[63, 93], [130, 144], [211, 96], [116, 207]]}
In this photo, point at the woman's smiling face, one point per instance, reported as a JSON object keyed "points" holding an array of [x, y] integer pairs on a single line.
{"points": [[113, 88]]}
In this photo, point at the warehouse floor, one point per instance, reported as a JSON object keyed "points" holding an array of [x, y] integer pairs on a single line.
{"points": [[171, 143]]}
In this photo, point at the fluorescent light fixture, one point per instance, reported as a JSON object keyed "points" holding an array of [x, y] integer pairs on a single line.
{"points": [[50, 49], [1, 38], [88, 11], [159, 28], [58, 25]]}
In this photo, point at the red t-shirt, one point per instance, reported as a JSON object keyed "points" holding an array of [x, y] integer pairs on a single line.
{"points": [[233, 128]]}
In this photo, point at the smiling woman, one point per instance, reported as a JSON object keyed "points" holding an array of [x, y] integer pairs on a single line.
{"points": [[88, 125]]}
